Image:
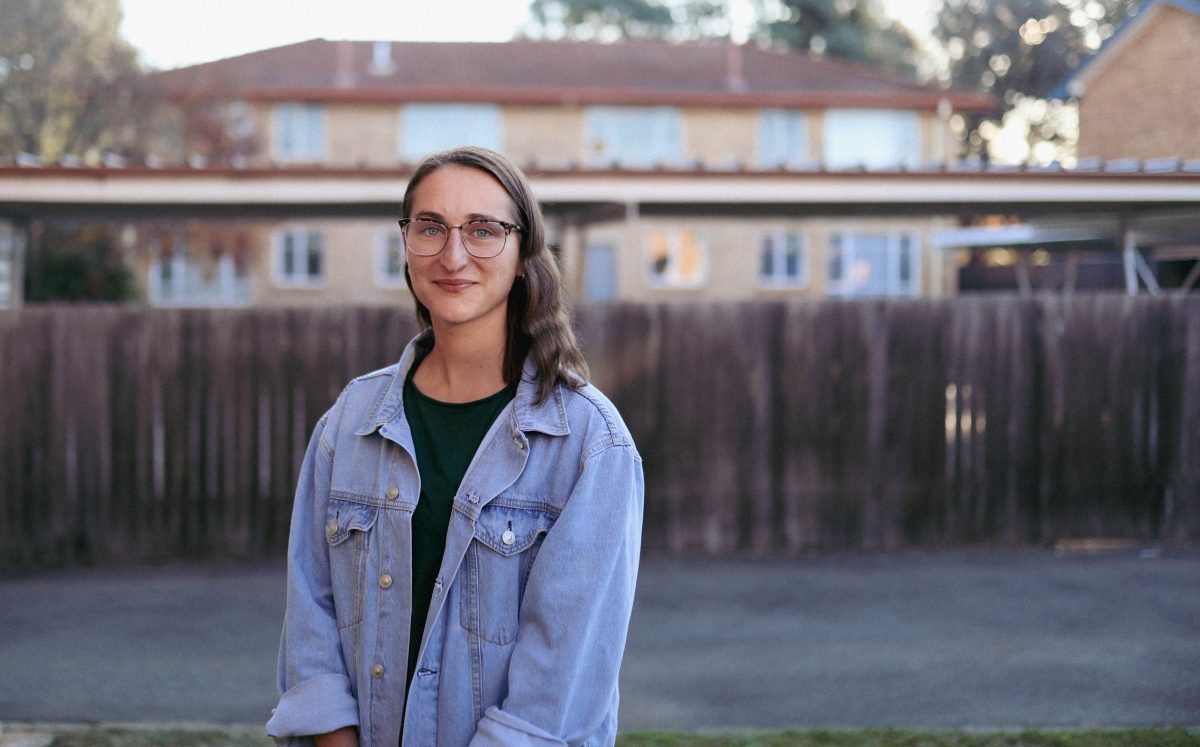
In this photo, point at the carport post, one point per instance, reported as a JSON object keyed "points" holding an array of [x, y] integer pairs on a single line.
{"points": [[1130, 256]]}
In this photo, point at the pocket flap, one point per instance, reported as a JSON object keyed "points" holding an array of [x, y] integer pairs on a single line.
{"points": [[510, 531], [344, 517]]}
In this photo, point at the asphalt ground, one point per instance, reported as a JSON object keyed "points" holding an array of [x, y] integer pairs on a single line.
{"points": [[981, 638]]}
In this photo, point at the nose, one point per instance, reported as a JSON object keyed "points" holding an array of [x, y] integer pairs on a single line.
{"points": [[454, 255]]}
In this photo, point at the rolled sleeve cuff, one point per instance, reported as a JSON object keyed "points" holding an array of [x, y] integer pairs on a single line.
{"points": [[315, 706], [499, 728]]}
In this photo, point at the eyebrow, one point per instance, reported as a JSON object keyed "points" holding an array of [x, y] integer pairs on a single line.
{"points": [[470, 217]]}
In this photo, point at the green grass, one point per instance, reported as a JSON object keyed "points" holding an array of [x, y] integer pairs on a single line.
{"points": [[1155, 737], [137, 737], [1146, 737]]}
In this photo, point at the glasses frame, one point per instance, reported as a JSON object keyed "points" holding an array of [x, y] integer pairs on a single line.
{"points": [[508, 228]]}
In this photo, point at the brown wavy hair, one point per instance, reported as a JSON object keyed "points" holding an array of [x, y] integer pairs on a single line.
{"points": [[539, 321]]}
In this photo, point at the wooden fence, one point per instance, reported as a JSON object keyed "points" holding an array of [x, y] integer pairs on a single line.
{"points": [[129, 435]]}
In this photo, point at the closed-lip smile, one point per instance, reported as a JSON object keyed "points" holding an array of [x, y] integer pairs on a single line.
{"points": [[453, 284]]}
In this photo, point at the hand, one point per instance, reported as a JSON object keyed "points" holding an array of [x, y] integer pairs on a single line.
{"points": [[347, 736]]}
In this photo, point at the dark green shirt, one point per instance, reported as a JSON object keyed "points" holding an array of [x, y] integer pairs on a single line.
{"points": [[446, 436]]}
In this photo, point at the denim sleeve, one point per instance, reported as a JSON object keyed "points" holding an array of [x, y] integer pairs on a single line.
{"points": [[562, 679], [315, 687]]}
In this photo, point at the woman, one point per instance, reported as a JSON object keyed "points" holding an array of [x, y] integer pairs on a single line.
{"points": [[465, 537]]}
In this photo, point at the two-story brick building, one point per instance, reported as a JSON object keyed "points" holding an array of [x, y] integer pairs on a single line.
{"points": [[566, 108], [1138, 94]]}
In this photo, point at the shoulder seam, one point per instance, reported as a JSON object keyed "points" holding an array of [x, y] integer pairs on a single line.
{"points": [[608, 445], [614, 432]]}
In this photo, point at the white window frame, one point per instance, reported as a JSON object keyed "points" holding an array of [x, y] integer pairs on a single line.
{"points": [[427, 128], [385, 242], [672, 279], [634, 136], [871, 138], [301, 237], [844, 250], [782, 138], [778, 243], [299, 133]]}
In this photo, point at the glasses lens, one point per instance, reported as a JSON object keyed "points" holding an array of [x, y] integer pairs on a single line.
{"points": [[425, 237], [484, 238]]}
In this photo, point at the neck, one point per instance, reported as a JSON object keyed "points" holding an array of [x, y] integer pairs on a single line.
{"points": [[464, 365]]}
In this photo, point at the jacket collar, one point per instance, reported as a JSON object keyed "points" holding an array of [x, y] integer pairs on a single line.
{"points": [[548, 416]]}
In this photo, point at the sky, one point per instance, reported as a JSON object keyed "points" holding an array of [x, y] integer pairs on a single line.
{"points": [[173, 33]]}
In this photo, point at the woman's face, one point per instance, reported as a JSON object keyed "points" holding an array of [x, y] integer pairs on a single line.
{"points": [[459, 289]]}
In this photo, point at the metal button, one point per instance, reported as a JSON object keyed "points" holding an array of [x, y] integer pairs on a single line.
{"points": [[331, 529], [377, 671], [508, 537], [385, 581], [393, 492], [473, 498], [520, 443]]}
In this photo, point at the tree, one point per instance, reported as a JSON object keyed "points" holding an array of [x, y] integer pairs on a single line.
{"points": [[627, 19], [76, 262], [68, 82], [1021, 51], [856, 30]]}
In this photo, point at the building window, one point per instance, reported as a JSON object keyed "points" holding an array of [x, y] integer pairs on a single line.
{"points": [[782, 138], [676, 259], [873, 264], [428, 128], [299, 259], [299, 133], [181, 281], [389, 260], [600, 273], [637, 136], [871, 138], [782, 260]]}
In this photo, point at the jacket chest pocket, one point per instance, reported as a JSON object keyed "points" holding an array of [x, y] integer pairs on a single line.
{"points": [[498, 563], [348, 532]]}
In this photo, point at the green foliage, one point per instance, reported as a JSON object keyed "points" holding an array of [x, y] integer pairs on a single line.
{"points": [[1022, 49], [1144, 737], [77, 264], [627, 19], [115, 737], [855, 30], [67, 79]]}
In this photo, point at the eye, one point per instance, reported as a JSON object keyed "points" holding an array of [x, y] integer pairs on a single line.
{"points": [[484, 230], [431, 229]]}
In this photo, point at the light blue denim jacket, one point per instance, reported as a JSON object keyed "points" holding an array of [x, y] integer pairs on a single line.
{"points": [[531, 606]]}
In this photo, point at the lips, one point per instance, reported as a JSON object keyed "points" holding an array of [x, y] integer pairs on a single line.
{"points": [[453, 286]]}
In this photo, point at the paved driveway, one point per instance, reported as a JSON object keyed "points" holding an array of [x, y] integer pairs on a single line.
{"points": [[965, 638]]}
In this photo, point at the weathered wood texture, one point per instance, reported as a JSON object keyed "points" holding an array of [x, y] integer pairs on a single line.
{"points": [[129, 435]]}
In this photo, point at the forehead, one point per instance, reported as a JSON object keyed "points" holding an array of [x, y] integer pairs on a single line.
{"points": [[454, 191]]}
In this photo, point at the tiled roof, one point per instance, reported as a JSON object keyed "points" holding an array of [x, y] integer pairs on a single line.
{"points": [[554, 72]]}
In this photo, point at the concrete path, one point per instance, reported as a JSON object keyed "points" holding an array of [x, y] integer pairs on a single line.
{"points": [[948, 639]]}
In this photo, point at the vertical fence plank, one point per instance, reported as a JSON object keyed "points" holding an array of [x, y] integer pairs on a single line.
{"points": [[136, 434]]}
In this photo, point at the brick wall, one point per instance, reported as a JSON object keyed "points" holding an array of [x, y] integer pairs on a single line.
{"points": [[1145, 99]]}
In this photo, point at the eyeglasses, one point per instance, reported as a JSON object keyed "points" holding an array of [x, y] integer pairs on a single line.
{"points": [[484, 239]]}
